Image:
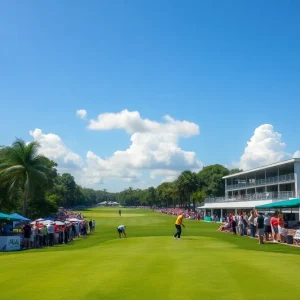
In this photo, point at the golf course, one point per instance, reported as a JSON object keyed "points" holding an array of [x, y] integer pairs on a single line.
{"points": [[151, 264]]}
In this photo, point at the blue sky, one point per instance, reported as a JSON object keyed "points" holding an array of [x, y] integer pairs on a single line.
{"points": [[227, 66]]}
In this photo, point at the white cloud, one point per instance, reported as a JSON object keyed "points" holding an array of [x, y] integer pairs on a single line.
{"points": [[167, 175], [296, 154], [265, 147], [54, 148], [97, 170], [81, 113], [132, 122], [154, 147]]}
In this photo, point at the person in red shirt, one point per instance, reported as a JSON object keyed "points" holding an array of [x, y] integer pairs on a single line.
{"points": [[281, 228], [274, 226]]}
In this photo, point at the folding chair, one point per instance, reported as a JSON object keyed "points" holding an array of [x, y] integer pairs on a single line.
{"points": [[297, 237]]}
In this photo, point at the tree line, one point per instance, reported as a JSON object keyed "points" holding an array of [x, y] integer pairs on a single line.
{"points": [[30, 184]]}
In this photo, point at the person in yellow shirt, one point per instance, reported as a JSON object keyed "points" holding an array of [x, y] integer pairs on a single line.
{"points": [[178, 225]]}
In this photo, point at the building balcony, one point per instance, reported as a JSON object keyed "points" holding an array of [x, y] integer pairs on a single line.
{"points": [[275, 196], [259, 182]]}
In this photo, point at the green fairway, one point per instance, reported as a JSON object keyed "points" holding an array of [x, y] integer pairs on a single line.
{"points": [[150, 264]]}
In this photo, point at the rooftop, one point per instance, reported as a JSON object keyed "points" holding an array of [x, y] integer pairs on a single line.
{"points": [[264, 167]]}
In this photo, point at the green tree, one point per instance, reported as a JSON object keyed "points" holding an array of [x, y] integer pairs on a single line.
{"points": [[198, 196], [69, 186], [165, 194], [187, 183], [148, 197], [22, 167], [211, 181], [234, 171]]}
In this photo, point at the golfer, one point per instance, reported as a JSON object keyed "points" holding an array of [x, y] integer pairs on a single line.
{"points": [[178, 225], [121, 230], [120, 212]]}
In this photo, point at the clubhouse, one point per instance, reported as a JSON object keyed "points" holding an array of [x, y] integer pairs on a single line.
{"points": [[259, 186]]}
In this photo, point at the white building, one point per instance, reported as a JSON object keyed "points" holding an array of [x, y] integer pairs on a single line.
{"points": [[245, 190]]}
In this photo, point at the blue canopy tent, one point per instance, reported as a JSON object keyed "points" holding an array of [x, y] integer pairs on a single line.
{"points": [[49, 219], [8, 217], [17, 216]]}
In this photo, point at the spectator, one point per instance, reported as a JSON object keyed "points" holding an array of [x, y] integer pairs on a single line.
{"points": [[32, 237], [233, 225], [45, 235], [27, 234], [281, 228], [91, 225], [245, 223], [260, 227], [251, 224], [267, 224], [274, 227], [241, 224], [50, 229]]}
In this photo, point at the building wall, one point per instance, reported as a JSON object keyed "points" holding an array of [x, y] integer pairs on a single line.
{"points": [[266, 174], [297, 177]]}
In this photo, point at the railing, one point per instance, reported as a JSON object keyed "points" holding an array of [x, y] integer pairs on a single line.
{"points": [[268, 180], [275, 196]]}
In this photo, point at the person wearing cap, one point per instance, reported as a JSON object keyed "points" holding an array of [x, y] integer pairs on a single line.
{"points": [[50, 229], [178, 224], [260, 227], [122, 230]]}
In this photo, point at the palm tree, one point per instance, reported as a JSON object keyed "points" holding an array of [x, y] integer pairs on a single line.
{"points": [[22, 167]]}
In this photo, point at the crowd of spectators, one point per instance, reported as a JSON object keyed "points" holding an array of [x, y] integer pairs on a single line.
{"points": [[255, 224], [64, 214], [266, 227], [188, 214], [64, 228]]}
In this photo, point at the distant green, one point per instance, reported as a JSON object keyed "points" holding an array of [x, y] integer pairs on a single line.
{"points": [[150, 264]]}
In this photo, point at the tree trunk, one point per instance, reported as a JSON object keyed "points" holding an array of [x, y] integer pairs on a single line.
{"points": [[189, 202], [26, 194], [25, 205]]}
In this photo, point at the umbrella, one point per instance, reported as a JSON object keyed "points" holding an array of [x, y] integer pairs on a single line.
{"points": [[74, 220], [59, 223], [39, 220], [48, 222]]}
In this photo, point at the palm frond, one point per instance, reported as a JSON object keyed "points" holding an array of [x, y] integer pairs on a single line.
{"points": [[14, 185], [31, 151], [13, 155], [37, 177], [11, 173], [5, 165]]}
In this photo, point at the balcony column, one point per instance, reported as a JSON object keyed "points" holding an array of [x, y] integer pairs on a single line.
{"points": [[265, 180], [278, 182], [255, 184], [246, 184]]}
